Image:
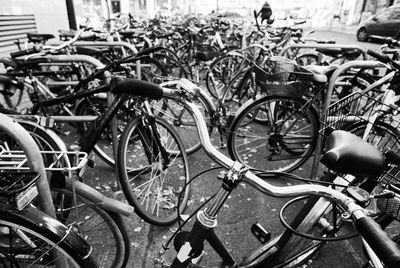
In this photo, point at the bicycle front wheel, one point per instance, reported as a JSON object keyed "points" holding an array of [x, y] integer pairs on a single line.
{"points": [[274, 133], [152, 181]]}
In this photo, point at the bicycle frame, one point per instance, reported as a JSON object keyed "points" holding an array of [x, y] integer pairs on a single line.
{"points": [[206, 220]]}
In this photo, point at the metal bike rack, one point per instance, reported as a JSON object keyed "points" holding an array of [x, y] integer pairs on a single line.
{"points": [[327, 101], [326, 46]]}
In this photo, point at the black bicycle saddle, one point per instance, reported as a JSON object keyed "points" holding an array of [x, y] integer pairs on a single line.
{"points": [[349, 154]]}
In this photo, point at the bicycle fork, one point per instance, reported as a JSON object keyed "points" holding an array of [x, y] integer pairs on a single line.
{"points": [[203, 229]]}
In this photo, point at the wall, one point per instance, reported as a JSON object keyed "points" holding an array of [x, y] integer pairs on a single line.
{"points": [[50, 15]]}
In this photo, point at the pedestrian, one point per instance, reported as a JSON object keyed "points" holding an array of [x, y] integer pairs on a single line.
{"points": [[266, 13]]}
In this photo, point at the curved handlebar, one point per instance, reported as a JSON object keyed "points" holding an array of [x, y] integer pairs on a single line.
{"points": [[367, 227], [383, 58], [379, 241]]}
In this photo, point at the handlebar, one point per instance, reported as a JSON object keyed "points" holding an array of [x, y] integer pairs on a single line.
{"points": [[24, 52], [379, 241], [383, 58], [367, 227]]}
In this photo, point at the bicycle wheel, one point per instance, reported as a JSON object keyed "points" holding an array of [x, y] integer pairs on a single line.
{"points": [[151, 69], [349, 82], [221, 71], [25, 243], [150, 184], [274, 133], [103, 230], [176, 113], [173, 67], [382, 135]]}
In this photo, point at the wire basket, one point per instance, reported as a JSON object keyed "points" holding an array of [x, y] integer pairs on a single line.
{"points": [[54, 160], [389, 181], [281, 76], [277, 70], [365, 115]]}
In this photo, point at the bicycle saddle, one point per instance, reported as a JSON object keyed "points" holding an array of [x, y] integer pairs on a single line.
{"points": [[349, 154], [206, 56], [136, 87], [321, 73], [39, 38]]}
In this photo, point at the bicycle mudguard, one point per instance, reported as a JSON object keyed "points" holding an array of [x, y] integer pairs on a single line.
{"points": [[136, 87], [99, 199], [37, 220]]}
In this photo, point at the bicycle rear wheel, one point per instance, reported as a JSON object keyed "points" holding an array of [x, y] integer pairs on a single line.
{"points": [[274, 133], [26, 244], [149, 182], [103, 230]]}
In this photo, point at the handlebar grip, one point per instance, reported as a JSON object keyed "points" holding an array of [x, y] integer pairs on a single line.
{"points": [[392, 157], [379, 241], [379, 56], [24, 52]]}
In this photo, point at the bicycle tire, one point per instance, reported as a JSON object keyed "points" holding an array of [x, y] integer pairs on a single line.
{"points": [[173, 67], [114, 229], [382, 135], [176, 113], [52, 236], [221, 71], [135, 168], [153, 69], [105, 231], [275, 147]]}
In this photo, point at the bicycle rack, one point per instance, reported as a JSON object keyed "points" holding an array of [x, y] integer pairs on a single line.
{"points": [[327, 101], [326, 46]]}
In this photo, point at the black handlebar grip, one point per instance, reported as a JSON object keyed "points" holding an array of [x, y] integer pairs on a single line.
{"points": [[24, 52], [392, 157], [379, 56], [379, 241]]}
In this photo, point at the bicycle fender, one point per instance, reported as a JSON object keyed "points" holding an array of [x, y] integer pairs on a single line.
{"points": [[32, 216]]}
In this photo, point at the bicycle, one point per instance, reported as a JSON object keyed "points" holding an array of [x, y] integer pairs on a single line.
{"points": [[348, 160], [29, 235], [150, 151], [78, 206]]}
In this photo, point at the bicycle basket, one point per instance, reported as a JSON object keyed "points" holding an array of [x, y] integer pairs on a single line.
{"points": [[366, 116], [280, 76], [277, 70], [389, 180]]}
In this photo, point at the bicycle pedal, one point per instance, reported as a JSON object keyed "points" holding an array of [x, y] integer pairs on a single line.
{"points": [[260, 233]]}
